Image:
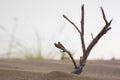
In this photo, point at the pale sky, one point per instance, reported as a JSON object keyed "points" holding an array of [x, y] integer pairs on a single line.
{"points": [[43, 18]]}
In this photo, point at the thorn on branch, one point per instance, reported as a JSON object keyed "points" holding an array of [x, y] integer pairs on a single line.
{"points": [[107, 29], [110, 21]]}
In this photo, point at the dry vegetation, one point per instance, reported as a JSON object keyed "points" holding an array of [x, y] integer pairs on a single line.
{"points": [[59, 70], [78, 68]]}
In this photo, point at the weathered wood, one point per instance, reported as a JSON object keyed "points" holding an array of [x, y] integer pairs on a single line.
{"points": [[86, 51], [60, 46]]}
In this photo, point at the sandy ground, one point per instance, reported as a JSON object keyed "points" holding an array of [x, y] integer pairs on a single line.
{"points": [[57, 70]]}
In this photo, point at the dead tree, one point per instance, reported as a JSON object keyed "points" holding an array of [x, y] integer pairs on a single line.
{"points": [[86, 50]]}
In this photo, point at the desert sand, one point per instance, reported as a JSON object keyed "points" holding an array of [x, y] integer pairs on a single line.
{"points": [[14, 69]]}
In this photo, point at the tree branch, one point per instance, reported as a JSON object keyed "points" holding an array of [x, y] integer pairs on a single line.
{"points": [[60, 46], [100, 34], [71, 23], [82, 30], [104, 17]]}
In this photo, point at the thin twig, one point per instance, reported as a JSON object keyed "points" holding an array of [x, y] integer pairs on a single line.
{"points": [[60, 46], [104, 17], [71, 23]]}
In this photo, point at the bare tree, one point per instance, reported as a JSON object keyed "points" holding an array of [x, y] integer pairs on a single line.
{"points": [[86, 50]]}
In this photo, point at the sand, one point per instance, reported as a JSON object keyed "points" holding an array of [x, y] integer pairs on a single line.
{"points": [[57, 70]]}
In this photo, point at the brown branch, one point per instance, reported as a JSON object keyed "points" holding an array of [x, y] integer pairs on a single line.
{"points": [[86, 51], [60, 46], [104, 17], [71, 23], [82, 30], [100, 34]]}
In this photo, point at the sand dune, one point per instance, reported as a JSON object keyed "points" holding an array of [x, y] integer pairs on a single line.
{"points": [[57, 70]]}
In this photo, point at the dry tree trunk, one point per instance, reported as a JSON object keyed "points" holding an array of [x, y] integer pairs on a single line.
{"points": [[86, 50]]}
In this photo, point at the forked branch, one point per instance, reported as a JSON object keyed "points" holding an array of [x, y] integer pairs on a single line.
{"points": [[86, 50], [60, 46], [97, 38]]}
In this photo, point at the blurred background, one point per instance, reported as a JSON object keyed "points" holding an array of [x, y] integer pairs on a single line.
{"points": [[29, 28]]}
